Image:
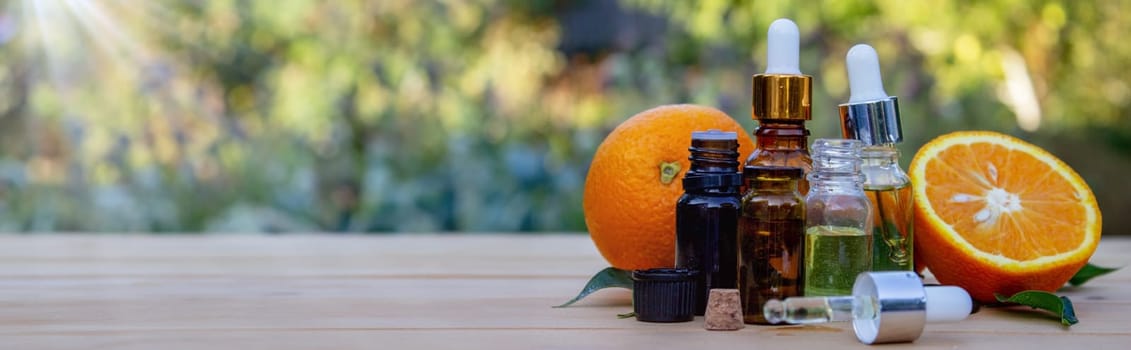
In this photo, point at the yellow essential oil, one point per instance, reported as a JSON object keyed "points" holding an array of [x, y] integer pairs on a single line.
{"points": [[834, 255], [892, 228], [838, 219]]}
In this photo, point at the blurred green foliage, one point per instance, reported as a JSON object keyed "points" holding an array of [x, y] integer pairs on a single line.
{"points": [[482, 115]]}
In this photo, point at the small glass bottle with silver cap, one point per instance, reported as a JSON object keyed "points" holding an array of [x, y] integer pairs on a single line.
{"points": [[885, 307], [872, 117]]}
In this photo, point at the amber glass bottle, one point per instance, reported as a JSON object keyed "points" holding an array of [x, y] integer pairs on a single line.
{"points": [[780, 103], [707, 213], [781, 106], [771, 239]]}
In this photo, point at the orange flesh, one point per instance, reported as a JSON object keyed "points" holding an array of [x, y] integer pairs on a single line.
{"points": [[992, 195]]}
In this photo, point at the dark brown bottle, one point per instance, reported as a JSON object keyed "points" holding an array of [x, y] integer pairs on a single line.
{"points": [[770, 239], [707, 213]]}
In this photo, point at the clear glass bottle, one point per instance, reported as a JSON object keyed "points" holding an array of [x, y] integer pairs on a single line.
{"points": [[770, 239], [707, 213], [838, 225], [781, 104], [889, 190], [872, 117]]}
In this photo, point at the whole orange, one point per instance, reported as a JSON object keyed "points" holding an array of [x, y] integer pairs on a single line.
{"points": [[995, 214], [636, 177]]}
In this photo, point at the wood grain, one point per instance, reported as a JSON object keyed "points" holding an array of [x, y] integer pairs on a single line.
{"points": [[415, 291]]}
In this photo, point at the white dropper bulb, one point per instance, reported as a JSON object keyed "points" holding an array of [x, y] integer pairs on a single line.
{"points": [[783, 44], [864, 81], [947, 304]]}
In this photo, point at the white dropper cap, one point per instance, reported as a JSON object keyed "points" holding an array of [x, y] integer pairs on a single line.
{"points": [[870, 115], [947, 304], [903, 306], [783, 48], [864, 81]]}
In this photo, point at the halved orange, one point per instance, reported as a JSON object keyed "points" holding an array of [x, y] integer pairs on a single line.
{"points": [[995, 214]]}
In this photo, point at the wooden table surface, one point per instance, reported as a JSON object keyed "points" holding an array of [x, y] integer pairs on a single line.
{"points": [[417, 291]]}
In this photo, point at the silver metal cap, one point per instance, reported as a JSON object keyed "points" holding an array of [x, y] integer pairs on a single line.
{"points": [[901, 307], [873, 122]]}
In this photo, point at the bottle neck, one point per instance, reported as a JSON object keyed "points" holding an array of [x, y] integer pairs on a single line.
{"points": [[880, 165], [713, 157], [836, 167], [880, 156], [835, 183], [782, 135], [836, 156]]}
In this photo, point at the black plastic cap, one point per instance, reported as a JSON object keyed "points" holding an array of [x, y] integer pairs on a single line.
{"points": [[664, 295]]}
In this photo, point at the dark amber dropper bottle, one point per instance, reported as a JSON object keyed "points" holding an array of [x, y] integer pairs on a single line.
{"points": [[781, 105]]}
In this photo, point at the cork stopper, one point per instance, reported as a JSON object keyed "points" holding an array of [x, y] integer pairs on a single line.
{"points": [[724, 311]]}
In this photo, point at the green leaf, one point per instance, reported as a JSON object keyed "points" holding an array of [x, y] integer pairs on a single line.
{"points": [[1037, 299], [630, 314], [1089, 272], [608, 278]]}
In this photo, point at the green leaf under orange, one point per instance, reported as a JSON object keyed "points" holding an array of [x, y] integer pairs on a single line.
{"points": [[1058, 305], [610, 277], [1089, 272]]}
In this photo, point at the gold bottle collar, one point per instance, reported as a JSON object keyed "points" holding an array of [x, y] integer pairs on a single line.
{"points": [[782, 97]]}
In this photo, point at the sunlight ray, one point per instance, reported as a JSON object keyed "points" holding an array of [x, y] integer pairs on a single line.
{"points": [[48, 22], [96, 22]]}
